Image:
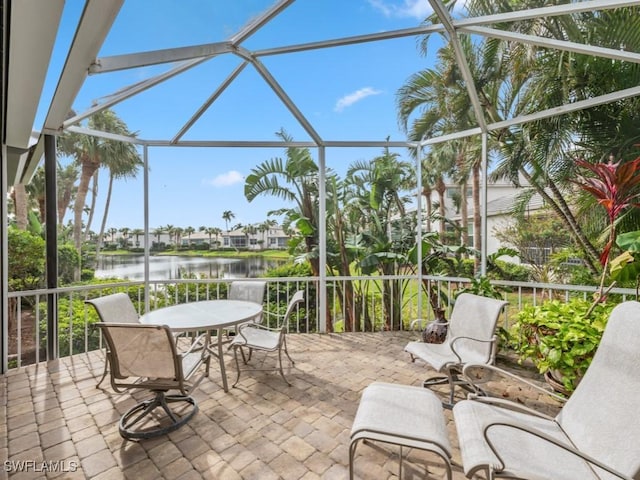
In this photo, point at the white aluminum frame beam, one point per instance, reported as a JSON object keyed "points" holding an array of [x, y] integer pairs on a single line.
{"points": [[134, 90], [554, 11], [170, 55], [554, 44], [279, 91], [461, 59], [203, 108], [258, 22]]}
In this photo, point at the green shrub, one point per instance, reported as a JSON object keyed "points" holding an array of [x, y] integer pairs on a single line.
{"points": [[75, 327], [558, 338]]}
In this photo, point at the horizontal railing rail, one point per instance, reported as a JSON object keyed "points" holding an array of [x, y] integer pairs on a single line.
{"points": [[363, 303]]}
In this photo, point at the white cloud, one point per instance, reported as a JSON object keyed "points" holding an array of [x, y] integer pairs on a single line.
{"points": [[418, 9], [354, 97], [227, 179]]}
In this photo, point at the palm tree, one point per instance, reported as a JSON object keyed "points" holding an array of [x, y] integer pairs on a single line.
{"points": [[125, 236], [210, 231], [67, 178], [90, 153], [189, 231], [264, 228], [227, 216], [36, 190], [125, 164], [136, 232], [157, 232], [294, 180], [441, 97], [178, 231], [387, 232], [112, 233]]}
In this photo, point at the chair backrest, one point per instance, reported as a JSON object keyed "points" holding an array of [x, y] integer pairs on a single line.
{"points": [[601, 416], [115, 308], [474, 316], [139, 350], [297, 298], [247, 290]]}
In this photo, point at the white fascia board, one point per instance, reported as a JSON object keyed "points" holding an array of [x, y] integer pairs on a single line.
{"points": [[95, 23], [34, 25]]}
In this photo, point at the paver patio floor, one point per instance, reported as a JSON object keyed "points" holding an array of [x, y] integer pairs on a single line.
{"points": [[53, 416]]}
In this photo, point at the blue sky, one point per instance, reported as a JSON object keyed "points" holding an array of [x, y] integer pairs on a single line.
{"points": [[346, 93]]}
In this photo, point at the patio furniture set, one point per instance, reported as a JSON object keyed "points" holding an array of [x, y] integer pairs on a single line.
{"points": [[596, 435]]}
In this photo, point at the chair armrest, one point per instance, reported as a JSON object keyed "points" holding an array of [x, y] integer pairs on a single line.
{"points": [[453, 341], [278, 316], [256, 326], [474, 379], [547, 438], [198, 342]]}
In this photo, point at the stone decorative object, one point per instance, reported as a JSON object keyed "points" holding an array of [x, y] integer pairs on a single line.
{"points": [[436, 331]]}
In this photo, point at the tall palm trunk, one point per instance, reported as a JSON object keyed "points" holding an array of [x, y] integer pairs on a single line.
{"points": [[426, 193], [464, 213], [92, 208], [105, 215], [441, 189], [19, 196], [89, 167]]}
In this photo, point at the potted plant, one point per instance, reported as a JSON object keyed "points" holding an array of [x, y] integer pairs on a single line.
{"points": [[560, 339]]}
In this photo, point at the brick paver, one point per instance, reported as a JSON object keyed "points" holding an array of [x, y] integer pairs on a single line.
{"points": [[263, 429]]}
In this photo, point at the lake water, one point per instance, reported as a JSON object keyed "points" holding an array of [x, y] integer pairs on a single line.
{"points": [[174, 267]]}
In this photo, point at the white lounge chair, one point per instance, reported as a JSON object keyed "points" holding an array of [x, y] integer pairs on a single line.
{"points": [[595, 436], [470, 338]]}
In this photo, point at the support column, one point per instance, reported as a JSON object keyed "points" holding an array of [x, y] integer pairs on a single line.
{"points": [[322, 238], [4, 259], [419, 150], [51, 229], [483, 202], [147, 250]]}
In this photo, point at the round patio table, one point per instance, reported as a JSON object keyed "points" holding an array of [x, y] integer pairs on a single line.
{"points": [[206, 316]]}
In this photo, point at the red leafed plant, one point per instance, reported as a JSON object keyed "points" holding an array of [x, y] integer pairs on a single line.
{"points": [[615, 187]]}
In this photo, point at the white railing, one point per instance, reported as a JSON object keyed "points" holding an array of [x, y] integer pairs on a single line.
{"points": [[366, 303]]}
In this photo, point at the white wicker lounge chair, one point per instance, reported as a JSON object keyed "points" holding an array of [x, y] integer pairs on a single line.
{"points": [[596, 435], [263, 338], [470, 338], [113, 308], [144, 357]]}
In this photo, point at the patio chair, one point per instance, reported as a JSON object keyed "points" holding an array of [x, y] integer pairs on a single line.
{"points": [[251, 291], [144, 357], [470, 338], [264, 338], [596, 435], [112, 308]]}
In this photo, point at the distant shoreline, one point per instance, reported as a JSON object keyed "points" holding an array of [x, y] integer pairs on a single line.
{"points": [[280, 254]]}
